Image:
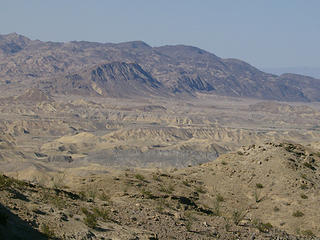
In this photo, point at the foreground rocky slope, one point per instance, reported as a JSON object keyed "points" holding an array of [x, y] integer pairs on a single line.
{"points": [[256, 193], [180, 69]]}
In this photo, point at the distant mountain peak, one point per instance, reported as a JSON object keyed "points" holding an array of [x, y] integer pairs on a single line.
{"points": [[137, 69], [12, 43]]}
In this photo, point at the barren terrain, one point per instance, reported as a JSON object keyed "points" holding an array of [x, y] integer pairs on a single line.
{"points": [[126, 141]]}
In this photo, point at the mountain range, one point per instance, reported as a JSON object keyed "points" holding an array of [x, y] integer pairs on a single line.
{"points": [[136, 69]]}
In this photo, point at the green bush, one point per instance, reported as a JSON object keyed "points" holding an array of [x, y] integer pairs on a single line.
{"points": [[259, 185]]}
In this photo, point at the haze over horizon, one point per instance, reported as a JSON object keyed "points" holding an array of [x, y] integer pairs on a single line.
{"points": [[266, 34]]}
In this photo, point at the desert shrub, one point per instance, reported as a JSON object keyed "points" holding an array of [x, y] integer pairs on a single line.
{"points": [[219, 198], [276, 209], [156, 177], [58, 181], [169, 189], [224, 162], [45, 229], [139, 177], [307, 233], [186, 183], [238, 216], [262, 227], [227, 225], [102, 213], [259, 185], [200, 189], [90, 219], [303, 196], [298, 214], [146, 193], [83, 195], [105, 196], [309, 165], [216, 208], [58, 202], [189, 220], [257, 196], [92, 192], [159, 208], [7, 182], [317, 154], [304, 186]]}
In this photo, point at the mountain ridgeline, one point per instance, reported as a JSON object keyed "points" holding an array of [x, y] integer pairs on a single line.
{"points": [[136, 69]]}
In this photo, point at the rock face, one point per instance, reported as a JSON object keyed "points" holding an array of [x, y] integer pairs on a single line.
{"points": [[180, 69], [116, 79]]}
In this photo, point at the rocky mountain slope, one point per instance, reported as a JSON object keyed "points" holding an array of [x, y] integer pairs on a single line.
{"points": [[116, 79], [180, 69], [266, 191]]}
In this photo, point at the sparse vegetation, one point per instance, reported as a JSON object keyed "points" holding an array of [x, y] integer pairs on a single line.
{"points": [[189, 220], [92, 192], [257, 196], [165, 189], [186, 183], [219, 198], [317, 154], [90, 219], [156, 177], [303, 196], [160, 205], [7, 182], [298, 214], [139, 177], [105, 196], [309, 165], [227, 225], [304, 186], [146, 193], [102, 213], [238, 216], [216, 208], [45, 229], [262, 227], [259, 185], [58, 181], [276, 209], [307, 233], [200, 189]]}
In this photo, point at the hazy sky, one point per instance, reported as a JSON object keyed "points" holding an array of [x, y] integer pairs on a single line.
{"points": [[265, 33]]}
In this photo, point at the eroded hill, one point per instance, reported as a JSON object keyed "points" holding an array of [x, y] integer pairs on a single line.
{"points": [[267, 191]]}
